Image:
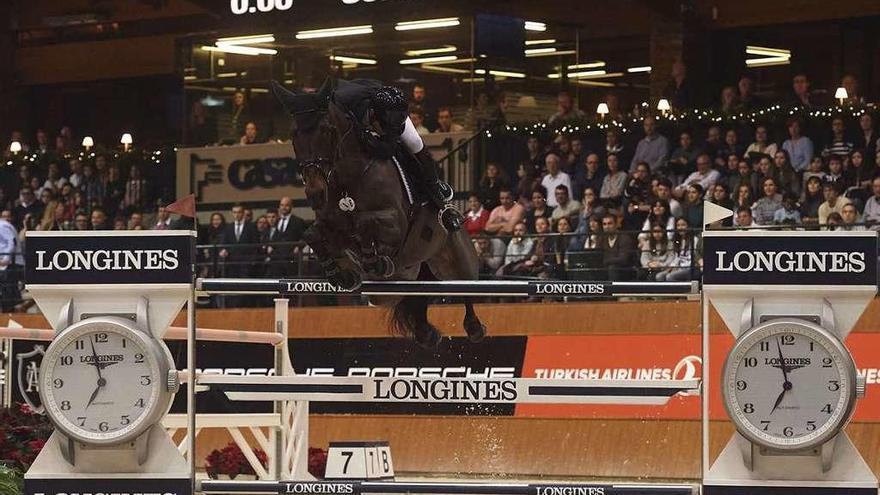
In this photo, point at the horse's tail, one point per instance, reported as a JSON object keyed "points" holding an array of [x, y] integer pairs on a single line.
{"points": [[408, 315]]}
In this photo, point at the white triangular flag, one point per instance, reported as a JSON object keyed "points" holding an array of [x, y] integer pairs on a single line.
{"points": [[713, 213], [14, 324]]}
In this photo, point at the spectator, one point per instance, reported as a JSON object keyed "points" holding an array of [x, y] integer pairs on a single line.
{"points": [[11, 263], [476, 217], [211, 234], [536, 152], [762, 144], [250, 134], [588, 234], [536, 265], [816, 169], [590, 206], [505, 216], [866, 139], [526, 182], [713, 144], [765, 207], [721, 196], [678, 91], [659, 216], [799, 148], [202, 128], [835, 171], [746, 95], [54, 181], [664, 192], [685, 251], [617, 249], [872, 206], [839, 145], [850, 83], [656, 256], [729, 103], [554, 177], [490, 253], [119, 224], [417, 117], [566, 110], [577, 149], [744, 218], [291, 227], [858, 176], [445, 123], [693, 206], [834, 200], [812, 199], [241, 237], [560, 245], [731, 146], [565, 206], [241, 115], [785, 173], [613, 146], [75, 179], [613, 184], [270, 236], [705, 176], [136, 222], [99, 219], [81, 221], [588, 176], [28, 204], [163, 219], [420, 99], [566, 156], [519, 249], [683, 159], [834, 221], [537, 208], [114, 189], [652, 149], [491, 184], [801, 96], [788, 214], [850, 216]]}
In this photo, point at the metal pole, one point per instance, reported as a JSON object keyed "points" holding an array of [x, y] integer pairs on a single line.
{"points": [[191, 382]]}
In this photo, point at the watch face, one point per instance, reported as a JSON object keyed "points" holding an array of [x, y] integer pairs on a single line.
{"points": [[789, 385], [101, 381]]}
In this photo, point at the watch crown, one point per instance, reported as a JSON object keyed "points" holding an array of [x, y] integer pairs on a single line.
{"points": [[861, 386], [173, 382]]}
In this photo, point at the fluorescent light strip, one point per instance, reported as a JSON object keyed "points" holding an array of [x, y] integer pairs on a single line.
{"points": [[240, 50], [596, 83], [557, 53], [427, 60], [535, 26], [518, 75], [540, 42], [440, 68], [770, 52], [246, 40], [539, 51], [228, 74], [768, 61], [557, 75], [641, 68], [259, 90], [427, 24], [189, 78], [332, 32], [588, 65], [353, 60], [429, 51]]}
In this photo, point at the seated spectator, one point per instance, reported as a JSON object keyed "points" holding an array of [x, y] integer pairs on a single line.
{"points": [[505, 216], [75, 179], [721, 197], [136, 222], [526, 183], [560, 244], [637, 197], [490, 254], [417, 117], [664, 192], [731, 146], [713, 143], [835, 171], [568, 158], [27, 204], [858, 176], [834, 221], [801, 94], [589, 176], [476, 217], [683, 159], [618, 250], [799, 148], [705, 176], [839, 145], [54, 181], [747, 98], [566, 207], [811, 200], [659, 216], [744, 218], [491, 183], [536, 153], [613, 184], [537, 264], [577, 149], [587, 234], [590, 206], [137, 192], [163, 219], [652, 149], [693, 205], [850, 216], [765, 207], [519, 249], [445, 123], [81, 221], [685, 251], [566, 111], [762, 144], [834, 201], [656, 255], [250, 134], [555, 176], [538, 208], [872, 206], [613, 146], [816, 169], [785, 174], [99, 219], [788, 214], [729, 103], [119, 224]]}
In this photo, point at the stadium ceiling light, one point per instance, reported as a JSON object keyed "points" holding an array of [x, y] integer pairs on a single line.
{"points": [[430, 51], [641, 68], [599, 84], [227, 74], [440, 68], [767, 52], [556, 53], [428, 60], [588, 65], [535, 26], [539, 51], [503, 73], [240, 50], [769, 56], [768, 61], [246, 40], [540, 42], [333, 32], [353, 60], [427, 24]]}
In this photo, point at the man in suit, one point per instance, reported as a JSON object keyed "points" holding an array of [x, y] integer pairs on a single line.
{"points": [[618, 250], [243, 240], [269, 250], [291, 228]]}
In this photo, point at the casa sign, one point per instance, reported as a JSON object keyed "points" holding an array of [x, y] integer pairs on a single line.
{"points": [[239, 7]]}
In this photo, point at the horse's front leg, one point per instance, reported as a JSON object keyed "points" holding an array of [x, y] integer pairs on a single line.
{"points": [[380, 234]]}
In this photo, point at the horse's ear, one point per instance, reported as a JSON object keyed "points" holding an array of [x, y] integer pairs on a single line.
{"points": [[284, 96]]}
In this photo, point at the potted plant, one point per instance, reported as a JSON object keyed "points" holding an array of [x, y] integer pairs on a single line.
{"points": [[230, 462], [23, 433]]}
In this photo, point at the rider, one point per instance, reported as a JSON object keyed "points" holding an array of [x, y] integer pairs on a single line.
{"points": [[373, 103]]}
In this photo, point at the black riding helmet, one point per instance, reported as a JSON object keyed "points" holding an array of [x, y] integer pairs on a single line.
{"points": [[390, 108]]}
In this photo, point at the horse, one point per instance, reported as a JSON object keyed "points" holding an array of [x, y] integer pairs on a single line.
{"points": [[369, 220]]}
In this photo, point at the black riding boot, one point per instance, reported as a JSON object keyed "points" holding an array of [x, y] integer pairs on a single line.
{"points": [[439, 192]]}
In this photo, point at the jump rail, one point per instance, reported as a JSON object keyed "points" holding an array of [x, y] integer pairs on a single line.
{"points": [[356, 488], [474, 288]]}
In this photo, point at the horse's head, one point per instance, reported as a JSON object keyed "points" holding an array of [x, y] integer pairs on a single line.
{"points": [[313, 136]]}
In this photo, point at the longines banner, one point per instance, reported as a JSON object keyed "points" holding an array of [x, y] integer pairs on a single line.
{"points": [[790, 258], [266, 172]]}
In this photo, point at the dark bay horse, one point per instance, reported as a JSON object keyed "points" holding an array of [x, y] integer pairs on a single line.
{"points": [[365, 224]]}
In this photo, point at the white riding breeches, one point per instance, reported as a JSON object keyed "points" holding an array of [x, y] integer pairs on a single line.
{"points": [[411, 138]]}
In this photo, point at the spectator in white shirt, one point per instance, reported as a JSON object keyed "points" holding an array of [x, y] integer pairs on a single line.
{"points": [[872, 206], [555, 177], [761, 144], [705, 176]]}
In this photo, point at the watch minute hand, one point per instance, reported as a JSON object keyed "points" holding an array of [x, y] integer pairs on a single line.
{"points": [[95, 359], [781, 361]]}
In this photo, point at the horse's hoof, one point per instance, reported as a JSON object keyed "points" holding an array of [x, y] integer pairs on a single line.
{"points": [[429, 340], [476, 331], [347, 280]]}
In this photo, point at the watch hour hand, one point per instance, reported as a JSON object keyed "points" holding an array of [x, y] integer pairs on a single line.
{"points": [[778, 401], [94, 394]]}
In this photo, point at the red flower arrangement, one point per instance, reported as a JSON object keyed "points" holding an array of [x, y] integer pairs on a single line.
{"points": [[23, 433], [232, 462], [317, 462]]}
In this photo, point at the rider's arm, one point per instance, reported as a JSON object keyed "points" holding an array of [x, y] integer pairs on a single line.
{"points": [[410, 137]]}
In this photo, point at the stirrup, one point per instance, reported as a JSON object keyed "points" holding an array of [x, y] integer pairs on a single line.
{"points": [[445, 191], [450, 218]]}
